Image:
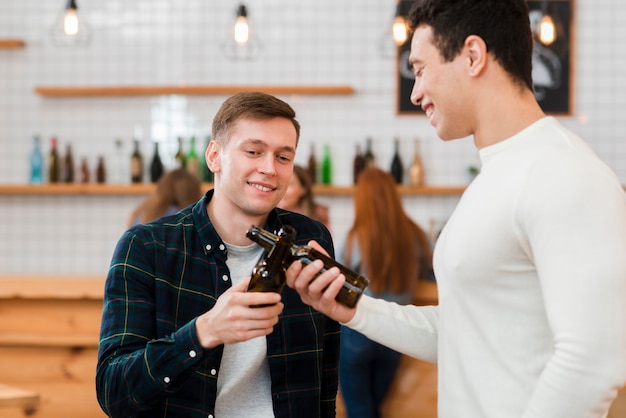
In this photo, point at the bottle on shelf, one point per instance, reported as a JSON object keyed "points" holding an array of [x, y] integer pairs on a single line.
{"points": [[36, 162], [327, 166], [353, 287], [358, 164], [416, 170], [192, 158], [68, 165], [370, 159], [312, 165], [118, 169], [180, 155], [156, 165], [397, 168], [54, 162], [101, 171], [84, 171], [136, 164]]}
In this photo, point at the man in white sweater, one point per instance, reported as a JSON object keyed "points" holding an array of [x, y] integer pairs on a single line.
{"points": [[531, 320]]}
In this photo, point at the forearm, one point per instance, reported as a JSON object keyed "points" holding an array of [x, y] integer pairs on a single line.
{"points": [[131, 381], [410, 330]]}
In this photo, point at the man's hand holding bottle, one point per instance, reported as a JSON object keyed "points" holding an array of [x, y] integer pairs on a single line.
{"points": [[319, 290]]}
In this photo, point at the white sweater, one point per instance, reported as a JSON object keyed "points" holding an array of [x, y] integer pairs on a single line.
{"points": [[531, 271]]}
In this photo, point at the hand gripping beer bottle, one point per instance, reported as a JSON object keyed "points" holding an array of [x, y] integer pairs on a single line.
{"points": [[269, 273], [354, 285]]}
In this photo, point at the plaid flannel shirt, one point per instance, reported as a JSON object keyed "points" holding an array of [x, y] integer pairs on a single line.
{"points": [[162, 276]]}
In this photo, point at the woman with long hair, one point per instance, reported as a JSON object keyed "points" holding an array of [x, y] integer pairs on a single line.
{"points": [[300, 198], [393, 252], [175, 190]]}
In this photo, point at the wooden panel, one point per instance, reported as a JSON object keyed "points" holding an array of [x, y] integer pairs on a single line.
{"points": [[41, 322], [70, 91], [63, 377]]}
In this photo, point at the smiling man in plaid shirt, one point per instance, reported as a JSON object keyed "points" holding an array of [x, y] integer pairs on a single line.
{"points": [[178, 336]]}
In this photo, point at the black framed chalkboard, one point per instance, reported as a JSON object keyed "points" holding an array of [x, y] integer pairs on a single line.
{"points": [[405, 77], [552, 64]]}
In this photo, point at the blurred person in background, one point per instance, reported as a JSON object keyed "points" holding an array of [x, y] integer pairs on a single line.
{"points": [[387, 247], [174, 191], [300, 198]]}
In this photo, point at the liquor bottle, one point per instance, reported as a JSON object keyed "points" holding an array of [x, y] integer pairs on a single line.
{"points": [[353, 287], [327, 166], [54, 162], [312, 165], [68, 165], [416, 170], [269, 273], [118, 170], [156, 166], [136, 164], [180, 155], [101, 171], [192, 158], [36, 162], [358, 164], [84, 171], [370, 159], [397, 169]]}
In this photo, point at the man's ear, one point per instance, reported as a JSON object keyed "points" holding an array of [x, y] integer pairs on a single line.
{"points": [[475, 50], [212, 156]]}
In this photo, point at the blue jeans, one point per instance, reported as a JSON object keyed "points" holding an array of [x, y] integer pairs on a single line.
{"points": [[366, 371]]}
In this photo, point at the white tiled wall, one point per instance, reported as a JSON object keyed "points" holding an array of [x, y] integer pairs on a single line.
{"points": [[305, 42]]}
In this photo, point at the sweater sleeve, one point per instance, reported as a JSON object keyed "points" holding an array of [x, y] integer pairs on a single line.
{"points": [[575, 229], [408, 329]]}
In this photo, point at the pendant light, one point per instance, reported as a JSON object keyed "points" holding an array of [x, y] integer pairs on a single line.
{"points": [[547, 30], [399, 28], [396, 34], [69, 27], [241, 41]]}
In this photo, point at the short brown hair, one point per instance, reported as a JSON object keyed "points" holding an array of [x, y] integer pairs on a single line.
{"points": [[250, 105]]}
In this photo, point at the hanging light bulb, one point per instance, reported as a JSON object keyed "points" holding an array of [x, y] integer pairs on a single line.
{"points": [[395, 35], [242, 30], [547, 31], [70, 28], [70, 22], [399, 29], [240, 44]]}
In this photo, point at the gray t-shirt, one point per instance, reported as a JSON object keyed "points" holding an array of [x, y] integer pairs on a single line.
{"points": [[244, 386]]}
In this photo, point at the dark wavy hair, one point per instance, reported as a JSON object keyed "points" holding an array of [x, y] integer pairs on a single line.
{"points": [[503, 25]]}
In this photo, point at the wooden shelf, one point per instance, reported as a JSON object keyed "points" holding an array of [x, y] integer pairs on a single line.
{"points": [[145, 188], [11, 43], [47, 286], [76, 91]]}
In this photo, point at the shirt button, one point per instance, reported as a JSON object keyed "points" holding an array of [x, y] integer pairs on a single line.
{"points": [[208, 247], [166, 379], [192, 353], [210, 416], [222, 247], [213, 372], [225, 277]]}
